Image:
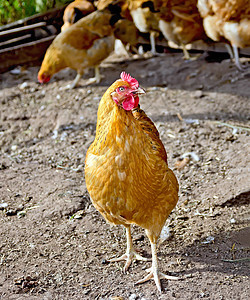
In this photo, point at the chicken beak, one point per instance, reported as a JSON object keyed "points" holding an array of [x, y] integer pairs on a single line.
{"points": [[139, 91]]}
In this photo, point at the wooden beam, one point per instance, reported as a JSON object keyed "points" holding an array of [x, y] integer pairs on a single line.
{"points": [[23, 37], [18, 47], [22, 29], [24, 54]]}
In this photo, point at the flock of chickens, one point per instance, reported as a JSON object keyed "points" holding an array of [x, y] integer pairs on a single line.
{"points": [[126, 168], [91, 27]]}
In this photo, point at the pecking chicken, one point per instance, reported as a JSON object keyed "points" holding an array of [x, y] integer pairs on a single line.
{"points": [[84, 44], [75, 11], [227, 21], [145, 19], [180, 22], [126, 170]]}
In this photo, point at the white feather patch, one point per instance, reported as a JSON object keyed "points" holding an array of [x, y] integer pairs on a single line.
{"points": [[121, 175]]}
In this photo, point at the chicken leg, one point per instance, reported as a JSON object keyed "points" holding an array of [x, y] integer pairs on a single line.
{"points": [[230, 51], [236, 57], [73, 84], [97, 77], [130, 252], [154, 272], [185, 52], [153, 35]]}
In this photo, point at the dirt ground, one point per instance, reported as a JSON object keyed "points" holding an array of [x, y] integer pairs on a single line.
{"points": [[55, 245]]}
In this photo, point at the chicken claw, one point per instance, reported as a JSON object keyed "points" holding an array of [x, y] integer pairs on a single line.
{"points": [[130, 252], [92, 81], [129, 258], [154, 272], [156, 275]]}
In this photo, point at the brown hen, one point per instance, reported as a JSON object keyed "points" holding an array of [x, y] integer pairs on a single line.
{"points": [[180, 22], [83, 45], [126, 170], [145, 18], [227, 21]]}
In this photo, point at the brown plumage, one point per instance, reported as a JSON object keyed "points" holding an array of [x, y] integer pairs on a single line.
{"points": [[126, 170], [83, 45], [180, 22], [126, 31], [227, 21], [75, 11], [145, 19], [123, 4]]}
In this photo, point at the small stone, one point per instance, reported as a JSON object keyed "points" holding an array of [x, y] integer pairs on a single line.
{"points": [[3, 205], [198, 94], [11, 212], [21, 213], [23, 86], [140, 237], [13, 147], [132, 297], [104, 261], [209, 240], [15, 71]]}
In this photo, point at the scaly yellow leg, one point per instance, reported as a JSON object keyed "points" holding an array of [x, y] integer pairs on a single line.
{"points": [[130, 252], [154, 272]]}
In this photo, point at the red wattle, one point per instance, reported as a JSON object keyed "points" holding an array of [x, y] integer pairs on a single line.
{"points": [[129, 103]]}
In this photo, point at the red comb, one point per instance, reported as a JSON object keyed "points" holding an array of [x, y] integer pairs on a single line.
{"points": [[132, 81]]}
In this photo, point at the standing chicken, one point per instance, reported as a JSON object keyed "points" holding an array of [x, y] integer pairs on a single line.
{"points": [[128, 34], [83, 45], [145, 19], [75, 11], [125, 29], [227, 21], [180, 22], [126, 170]]}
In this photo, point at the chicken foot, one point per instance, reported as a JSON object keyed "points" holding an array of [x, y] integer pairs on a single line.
{"points": [[130, 252], [97, 77], [154, 272], [74, 83], [185, 52], [187, 55]]}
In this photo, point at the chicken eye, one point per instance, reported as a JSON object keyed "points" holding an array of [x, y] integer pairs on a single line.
{"points": [[121, 89]]}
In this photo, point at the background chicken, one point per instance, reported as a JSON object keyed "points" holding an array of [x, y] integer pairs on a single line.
{"points": [[125, 29], [125, 13], [75, 11], [180, 22], [227, 21], [145, 19], [126, 170], [84, 44]]}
